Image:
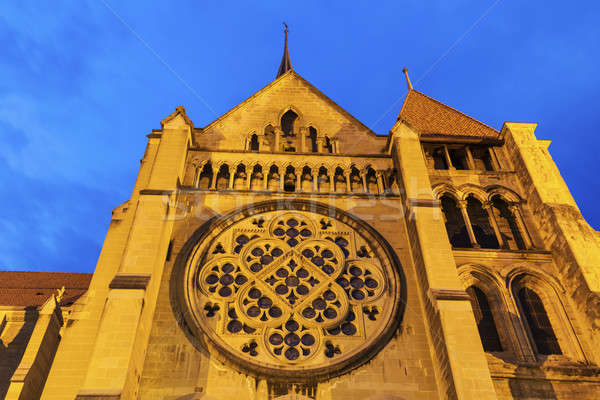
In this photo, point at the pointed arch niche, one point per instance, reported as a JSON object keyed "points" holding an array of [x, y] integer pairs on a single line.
{"points": [[493, 312], [540, 302], [288, 120], [257, 178], [490, 339], [480, 223], [223, 177], [205, 177], [508, 226], [253, 145], [455, 223]]}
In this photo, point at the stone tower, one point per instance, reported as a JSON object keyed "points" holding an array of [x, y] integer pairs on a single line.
{"points": [[286, 251]]}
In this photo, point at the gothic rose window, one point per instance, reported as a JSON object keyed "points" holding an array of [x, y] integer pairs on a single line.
{"points": [[292, 292]]}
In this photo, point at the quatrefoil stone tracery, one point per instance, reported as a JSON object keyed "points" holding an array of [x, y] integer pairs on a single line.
{"points": [[291, 289]]}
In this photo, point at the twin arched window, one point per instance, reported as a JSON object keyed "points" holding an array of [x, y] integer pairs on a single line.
{"points": [[455, 223], [533, 314], [485, 320], [540, 329]]}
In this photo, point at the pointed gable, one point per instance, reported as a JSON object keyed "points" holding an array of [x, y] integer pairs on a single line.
{"points": [[177, 117], [433, 118], [265, 107]]}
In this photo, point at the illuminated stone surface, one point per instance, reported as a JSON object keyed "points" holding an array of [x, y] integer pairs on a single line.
{"points": [[292, 298]]}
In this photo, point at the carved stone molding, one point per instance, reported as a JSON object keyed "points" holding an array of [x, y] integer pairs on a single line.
{"points": [[447, 294], [156, 192], [291, 297], [98, 394]]}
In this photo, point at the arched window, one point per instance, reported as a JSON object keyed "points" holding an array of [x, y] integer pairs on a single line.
{"points": [[205, 178], [254, 142], [539, 325], [312, 136], [323, 180], [273, 179], [287, 122], [307, 179], [484, 233], [256, 179], [507, 225], [485, 320], [223, 177], [239, 178], [356, 184], [289, 179], [372, 181], [328, 145], [455, 224]]}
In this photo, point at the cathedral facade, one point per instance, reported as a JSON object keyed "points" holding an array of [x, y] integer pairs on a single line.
{"points": [[286, 251]]}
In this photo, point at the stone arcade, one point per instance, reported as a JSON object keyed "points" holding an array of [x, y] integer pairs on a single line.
{"points": [[286, 251]]}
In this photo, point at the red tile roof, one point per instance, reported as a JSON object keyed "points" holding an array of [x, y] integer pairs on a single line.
{"points": [[431, 117], [25, 288]]}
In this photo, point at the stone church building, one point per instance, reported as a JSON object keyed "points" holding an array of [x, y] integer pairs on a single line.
{"points": [[286, 251]]}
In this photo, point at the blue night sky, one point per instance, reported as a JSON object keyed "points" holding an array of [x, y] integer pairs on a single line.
{"points": [[81, 86]]}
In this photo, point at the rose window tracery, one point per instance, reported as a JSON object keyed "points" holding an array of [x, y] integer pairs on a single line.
{"points": [[292, 295]]}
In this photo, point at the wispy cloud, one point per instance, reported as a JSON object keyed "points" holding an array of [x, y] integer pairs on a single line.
{"points": [[79, 92]]}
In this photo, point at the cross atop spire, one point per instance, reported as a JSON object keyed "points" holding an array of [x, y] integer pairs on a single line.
{"points": [[286, 64]]}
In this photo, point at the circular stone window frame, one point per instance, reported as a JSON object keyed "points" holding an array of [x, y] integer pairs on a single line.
{"points": [[212, 346]]}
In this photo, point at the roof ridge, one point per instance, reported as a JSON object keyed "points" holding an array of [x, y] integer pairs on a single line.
{"points": [[255, 94], [342, 109], [404, 103], [453, 109], [277, 80]]}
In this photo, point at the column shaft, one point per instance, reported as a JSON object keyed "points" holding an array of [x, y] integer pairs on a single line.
{"points": [[514, 209], [380, 183], [462, 204], [448, 159], [213, 182], [488, 207], [470, 160]]}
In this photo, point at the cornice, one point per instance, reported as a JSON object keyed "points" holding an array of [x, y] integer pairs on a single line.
{"points": [[129, 281], [508, 255]]}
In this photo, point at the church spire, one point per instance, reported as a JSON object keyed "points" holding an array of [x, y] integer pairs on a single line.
{"points": [[286, 64]]}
